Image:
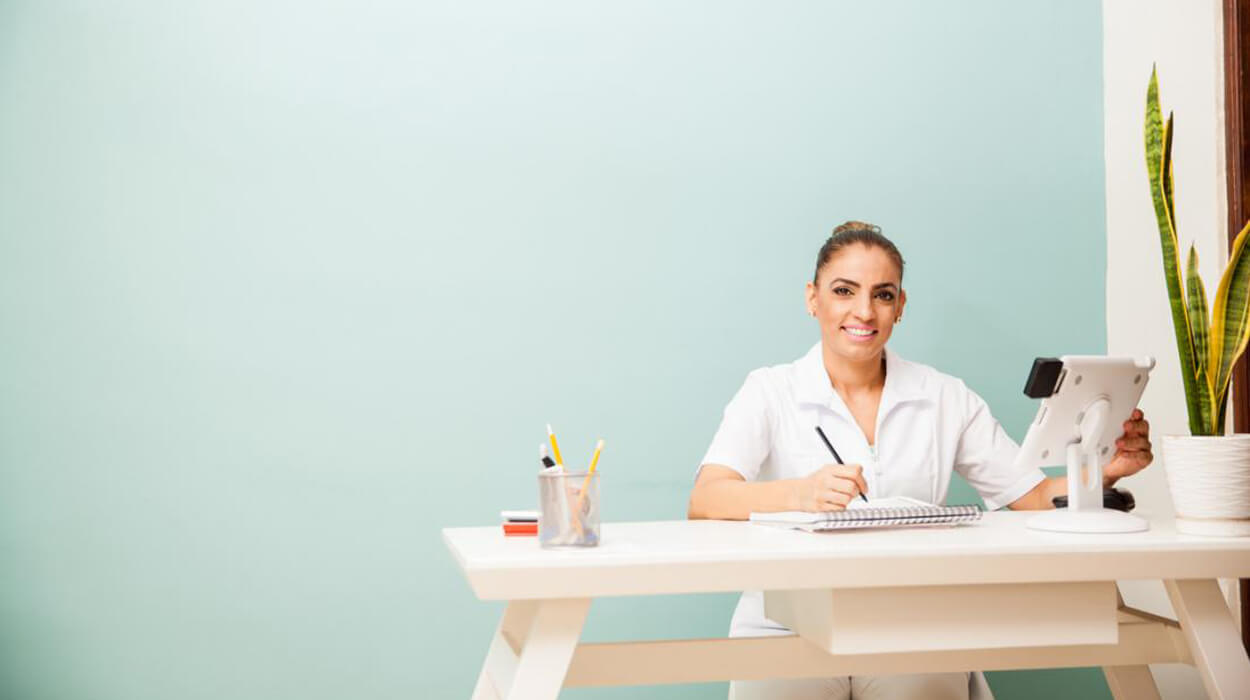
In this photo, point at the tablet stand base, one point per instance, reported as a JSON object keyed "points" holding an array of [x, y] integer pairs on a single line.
{"points": [[1101, 520], [1085, 511]]}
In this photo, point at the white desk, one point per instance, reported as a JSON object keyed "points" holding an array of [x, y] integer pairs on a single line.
{"points": [[988, 596]]}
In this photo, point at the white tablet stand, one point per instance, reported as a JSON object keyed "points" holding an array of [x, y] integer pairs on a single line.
{"points": [[1081, 420]]}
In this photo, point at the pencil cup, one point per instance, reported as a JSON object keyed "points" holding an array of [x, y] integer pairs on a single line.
{"points": [[568, 509]]}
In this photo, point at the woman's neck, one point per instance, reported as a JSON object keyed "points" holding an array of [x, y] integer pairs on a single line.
{"points": [[854, 377]]}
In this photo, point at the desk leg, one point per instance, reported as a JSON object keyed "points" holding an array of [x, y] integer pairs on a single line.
{"points": [[500, 665], [1212, 636], [530, 653], [1130, 682]]}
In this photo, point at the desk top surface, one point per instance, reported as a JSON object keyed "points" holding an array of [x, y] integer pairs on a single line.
{"points": [[710, 555]]}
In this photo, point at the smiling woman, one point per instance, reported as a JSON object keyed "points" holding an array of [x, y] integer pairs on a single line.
{"points": [[861, 297], [903, 429]]}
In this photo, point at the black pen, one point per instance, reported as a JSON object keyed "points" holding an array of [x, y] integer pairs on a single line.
{"points": [[828, 444], [542, 455]]}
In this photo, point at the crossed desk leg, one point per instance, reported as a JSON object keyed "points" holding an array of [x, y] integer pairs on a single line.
{"points": [[531, 650], [1213, 638], [1204, 635], [536, 649]]}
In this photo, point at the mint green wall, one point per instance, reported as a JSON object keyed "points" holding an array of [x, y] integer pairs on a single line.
{"points": [[287, 287]]}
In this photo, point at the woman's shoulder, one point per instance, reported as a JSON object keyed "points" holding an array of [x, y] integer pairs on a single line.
{"points": [[771, 377], [788, 383], [780, 379]]}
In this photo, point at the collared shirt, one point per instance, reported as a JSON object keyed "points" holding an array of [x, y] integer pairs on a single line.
{"points": [[929, 425]]}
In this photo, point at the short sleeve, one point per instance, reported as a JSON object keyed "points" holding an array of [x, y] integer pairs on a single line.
{"points": [[742, 441], [986, 456]]}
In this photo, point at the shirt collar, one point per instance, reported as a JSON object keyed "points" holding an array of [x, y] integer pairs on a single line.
{"points": [[904, 382]]}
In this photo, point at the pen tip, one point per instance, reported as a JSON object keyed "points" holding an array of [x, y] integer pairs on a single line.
{"points": [[548, 428], [542, 449], [599, 445]]}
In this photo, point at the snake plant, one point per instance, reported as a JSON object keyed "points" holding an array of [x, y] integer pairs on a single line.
{"points": [[1209, 345]]}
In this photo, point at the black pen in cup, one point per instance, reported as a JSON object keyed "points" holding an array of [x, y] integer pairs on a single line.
{"points": [[834, 452]]}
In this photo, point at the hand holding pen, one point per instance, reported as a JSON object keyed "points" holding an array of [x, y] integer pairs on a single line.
{"points": [[833, 486]]}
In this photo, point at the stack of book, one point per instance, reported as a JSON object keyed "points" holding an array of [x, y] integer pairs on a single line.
{"points": [[519, 523]]}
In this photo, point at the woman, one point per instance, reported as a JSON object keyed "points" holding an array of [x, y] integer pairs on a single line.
{"points": [[902, 428]]}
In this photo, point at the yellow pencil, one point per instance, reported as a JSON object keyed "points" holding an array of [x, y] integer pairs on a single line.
{"points": [[595, 459], [555, 449], [581, 497]]}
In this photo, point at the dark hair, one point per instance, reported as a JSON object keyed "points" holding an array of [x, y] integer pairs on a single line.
{"points": [[860, 232]]}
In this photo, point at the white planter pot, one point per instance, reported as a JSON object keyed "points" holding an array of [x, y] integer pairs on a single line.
{"points": [[1209, 478]]}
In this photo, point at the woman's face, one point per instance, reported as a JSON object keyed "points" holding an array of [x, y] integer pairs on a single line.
{"points": [[857, 298]]}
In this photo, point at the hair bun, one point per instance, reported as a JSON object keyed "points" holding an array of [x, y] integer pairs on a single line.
{"points": [[856, 227]]}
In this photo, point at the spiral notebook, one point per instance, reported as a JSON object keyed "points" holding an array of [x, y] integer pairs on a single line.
{"points": [[880, 512]]}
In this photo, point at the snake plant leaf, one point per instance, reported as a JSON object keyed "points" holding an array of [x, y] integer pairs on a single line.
{"points": [[1154, 139], [1199, 322], [1166, 183], [1199, 325], [1159, 167], [1231, 316]]}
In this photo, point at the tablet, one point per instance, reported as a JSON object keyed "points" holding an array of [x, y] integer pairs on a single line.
{"points": [[1085, 401], [1068, 386]]}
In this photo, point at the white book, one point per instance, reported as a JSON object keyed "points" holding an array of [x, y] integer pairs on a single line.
{"points": [[897, 511]]}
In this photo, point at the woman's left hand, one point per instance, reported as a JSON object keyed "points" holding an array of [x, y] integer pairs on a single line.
{"points": [[1132, 452]]}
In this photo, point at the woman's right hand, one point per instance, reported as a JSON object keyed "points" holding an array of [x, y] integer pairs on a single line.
{"points": [[831, 487]]}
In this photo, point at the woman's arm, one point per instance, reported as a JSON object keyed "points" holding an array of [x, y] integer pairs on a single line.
{"points": [[720, 493], [1040, 498], [1133, 453]]}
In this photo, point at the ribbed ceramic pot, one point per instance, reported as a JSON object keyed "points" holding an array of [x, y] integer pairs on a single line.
{"points": [[1209, 477]]}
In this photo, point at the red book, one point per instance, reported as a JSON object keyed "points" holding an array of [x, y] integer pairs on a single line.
{"points": [[520, 529]]}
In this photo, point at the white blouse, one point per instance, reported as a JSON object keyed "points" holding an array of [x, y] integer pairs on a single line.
{"points": [[929, 425]]}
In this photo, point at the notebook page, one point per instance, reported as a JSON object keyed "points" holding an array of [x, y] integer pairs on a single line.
{"points": [[891, 502], [879, 512]]}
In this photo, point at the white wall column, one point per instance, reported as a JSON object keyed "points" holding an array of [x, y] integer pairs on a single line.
{"points": [[1184, 38]]}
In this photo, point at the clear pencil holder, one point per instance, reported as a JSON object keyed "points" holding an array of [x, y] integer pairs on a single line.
{"points": [[568, 509]]}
